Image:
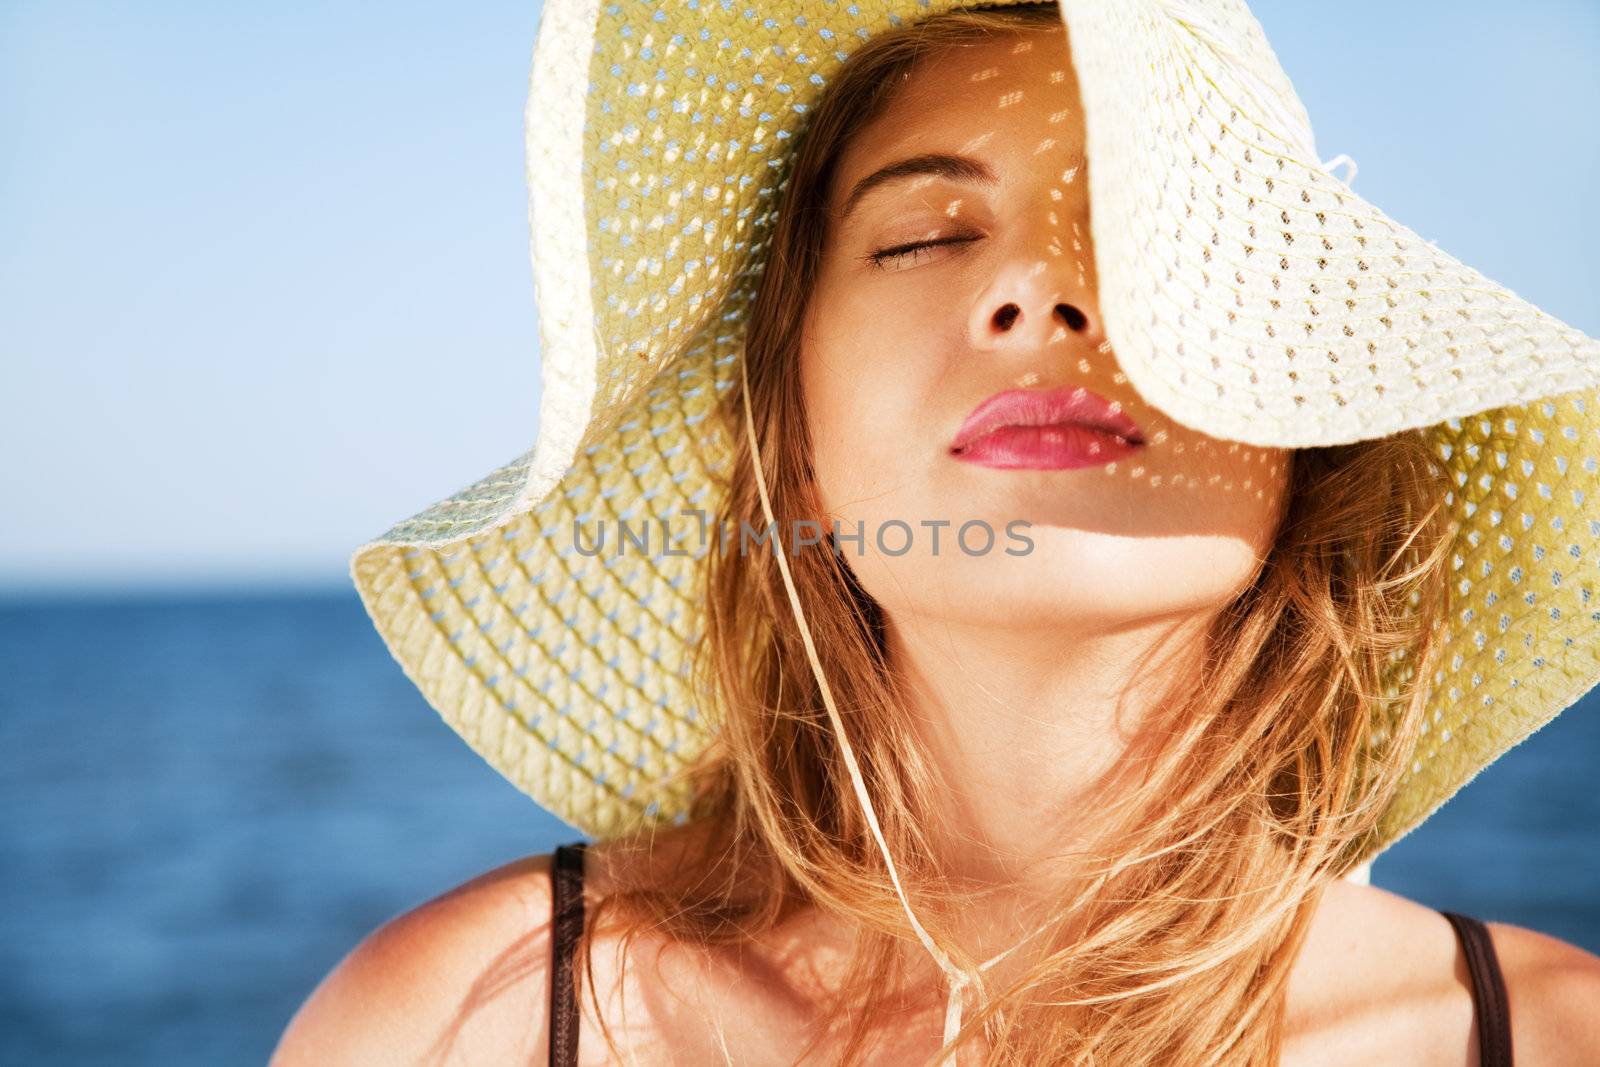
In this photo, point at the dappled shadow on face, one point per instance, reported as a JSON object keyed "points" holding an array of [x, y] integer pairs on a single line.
{"points": [[959, 265]]}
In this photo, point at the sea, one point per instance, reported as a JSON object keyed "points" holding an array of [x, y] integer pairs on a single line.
{"points": [[207, 800]]}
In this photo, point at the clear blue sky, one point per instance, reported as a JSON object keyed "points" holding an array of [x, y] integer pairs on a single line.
{"points": [[240, 244]]}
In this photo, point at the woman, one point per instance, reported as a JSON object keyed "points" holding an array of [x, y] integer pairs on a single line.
{"points": [[1066, 695]]}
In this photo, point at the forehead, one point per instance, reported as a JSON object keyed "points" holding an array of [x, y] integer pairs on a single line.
{"points": [[1015, 90], [1033, 58]]}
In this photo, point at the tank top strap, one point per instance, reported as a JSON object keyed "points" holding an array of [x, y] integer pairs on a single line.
{"points": [[1489, 1000], [566, 923]]}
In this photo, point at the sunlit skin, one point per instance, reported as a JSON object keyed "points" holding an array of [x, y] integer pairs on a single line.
{"points": [[1030, 671]]}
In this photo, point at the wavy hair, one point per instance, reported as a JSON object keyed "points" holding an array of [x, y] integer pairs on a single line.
{"points": [[1222, 825]]}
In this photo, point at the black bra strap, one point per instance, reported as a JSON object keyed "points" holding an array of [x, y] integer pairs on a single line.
{"points": [[1489, 998], [566, 923]]}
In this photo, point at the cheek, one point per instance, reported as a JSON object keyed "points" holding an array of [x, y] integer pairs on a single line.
{"points": [[865, 378], [1254, 484], [1224, 503], [1188, 482], [844, 428]]}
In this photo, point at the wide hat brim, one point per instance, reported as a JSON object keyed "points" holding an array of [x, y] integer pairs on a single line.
{"points": [[1246, 292]]}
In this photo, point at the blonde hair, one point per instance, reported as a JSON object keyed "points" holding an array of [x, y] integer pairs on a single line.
{"points": [[1245, 796]]}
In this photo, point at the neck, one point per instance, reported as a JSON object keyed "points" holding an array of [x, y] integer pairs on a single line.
{"points": [[1032, 734]]}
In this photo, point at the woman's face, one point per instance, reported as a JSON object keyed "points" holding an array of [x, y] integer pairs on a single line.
{"points": [[895, 356]]}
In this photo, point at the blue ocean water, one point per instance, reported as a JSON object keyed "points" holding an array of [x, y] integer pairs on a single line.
{"points": [[208, 801]]}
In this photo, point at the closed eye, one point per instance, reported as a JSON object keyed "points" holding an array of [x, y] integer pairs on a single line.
{"points": [[907, 253]]}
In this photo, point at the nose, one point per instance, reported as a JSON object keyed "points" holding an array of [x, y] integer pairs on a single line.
{"points": [[1039, 298]]}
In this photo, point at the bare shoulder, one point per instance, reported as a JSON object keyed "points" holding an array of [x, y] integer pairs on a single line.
{"points": [[466, 977], [462, 978], [1380, 972], [1553, 988], [1375, 982]]}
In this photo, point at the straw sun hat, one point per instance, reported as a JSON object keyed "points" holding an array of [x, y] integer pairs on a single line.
{"points": [[1246, 291]]}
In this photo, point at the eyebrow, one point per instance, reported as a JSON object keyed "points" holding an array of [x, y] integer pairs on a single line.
{"points": [[937, 164]]}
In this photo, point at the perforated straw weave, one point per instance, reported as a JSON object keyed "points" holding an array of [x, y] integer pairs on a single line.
{"points": [[1246, 291]]}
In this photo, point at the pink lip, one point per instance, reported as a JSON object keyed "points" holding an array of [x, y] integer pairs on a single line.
{"points": [[1046, 429]]}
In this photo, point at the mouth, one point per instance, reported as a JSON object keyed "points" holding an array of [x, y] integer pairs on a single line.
{"points": [[1046, 429]]}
